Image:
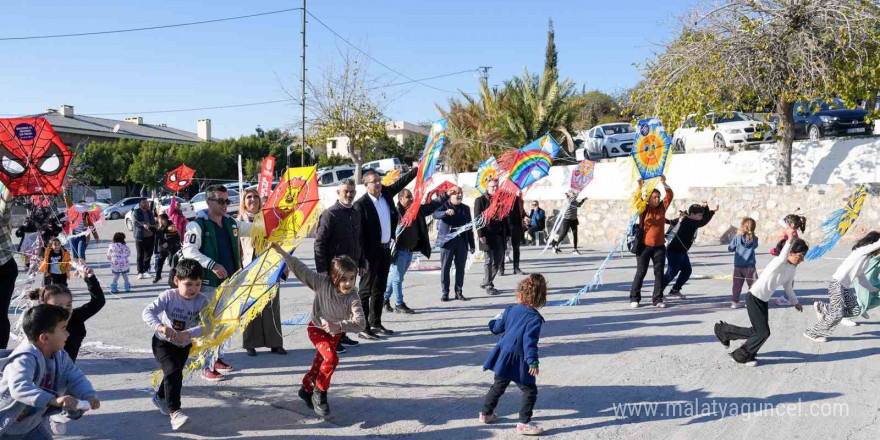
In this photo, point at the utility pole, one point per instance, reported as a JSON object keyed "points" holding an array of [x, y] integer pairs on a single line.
{"points": [[484, 72], [302, 158]]}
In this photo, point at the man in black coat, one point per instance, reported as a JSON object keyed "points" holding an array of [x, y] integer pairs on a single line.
{"points": [[412, 239], [339, 233], [516, 231], [379, 220], [492, 238]]}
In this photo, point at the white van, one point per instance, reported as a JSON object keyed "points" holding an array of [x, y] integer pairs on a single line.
{"points": [[384, 165]]}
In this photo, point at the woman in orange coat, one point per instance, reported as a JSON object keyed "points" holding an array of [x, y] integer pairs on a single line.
{"points": [[653, 222]]}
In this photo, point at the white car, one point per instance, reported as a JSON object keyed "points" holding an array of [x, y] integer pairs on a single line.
{"points": [[606, 140], [722, 132], [384, 165], [199, 203]]}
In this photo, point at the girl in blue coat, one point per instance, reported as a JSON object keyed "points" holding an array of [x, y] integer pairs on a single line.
{"points": [[515, 357]]}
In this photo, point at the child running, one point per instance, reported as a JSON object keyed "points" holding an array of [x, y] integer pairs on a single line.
{"points": [[56, 264], [58, 295], [779, 272], [118, 253], [515, 357], [174, 317], [678, 263], [744, 270], [39, 380], [843, 302], [336, 309]]}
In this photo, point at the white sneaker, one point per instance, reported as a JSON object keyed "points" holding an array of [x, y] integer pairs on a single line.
{"points": [[782, 301], [819, 339], [847, 322], [735, 305], [178, 419], [575, 252], [528, 429], [751, 364], [660, 305], [58, 428], [819, 315], [634, 305], [142, 276]]}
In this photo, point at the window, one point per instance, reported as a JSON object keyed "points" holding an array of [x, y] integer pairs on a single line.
{"points": [[200, 197], [344, 174], [327, 178], [333, 145]]}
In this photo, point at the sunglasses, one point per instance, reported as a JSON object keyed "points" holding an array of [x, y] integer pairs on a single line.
{"points": [[221, 201]]}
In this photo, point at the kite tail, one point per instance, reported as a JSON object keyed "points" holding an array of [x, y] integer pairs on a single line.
{"points": [[597, 277], [502, 201], [556, 225], [506, 160], [831, 235], [413, 211], [299, 320], [476, 223]]}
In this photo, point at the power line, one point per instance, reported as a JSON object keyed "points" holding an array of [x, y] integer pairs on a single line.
{"points": [[373, 59], [423, 79], [150, 28]]}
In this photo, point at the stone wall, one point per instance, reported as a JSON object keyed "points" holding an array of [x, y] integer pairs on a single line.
{"points": [[602, 222]]}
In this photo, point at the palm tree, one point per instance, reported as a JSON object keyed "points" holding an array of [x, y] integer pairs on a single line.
{"points": [[474, 130], [535, 105]]}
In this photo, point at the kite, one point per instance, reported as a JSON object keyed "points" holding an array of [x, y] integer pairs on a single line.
{"points": [[390, 177], [839, 223], [88, 214], [487, 171], [33, 160], [287, 218], [582, 175], [179, 178], [530, 164], [651, 148], [427, 165]]}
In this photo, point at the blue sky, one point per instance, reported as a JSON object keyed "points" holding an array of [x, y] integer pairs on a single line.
{"points": [[237, 62]]}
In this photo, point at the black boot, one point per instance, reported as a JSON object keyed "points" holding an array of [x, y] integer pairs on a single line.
{"points": [[445, 297], [388, 307], [459, 296], [319, 403], [306, 397]]}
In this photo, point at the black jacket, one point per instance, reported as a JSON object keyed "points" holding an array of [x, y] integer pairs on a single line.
{"points": [[494, 231], [339, 233], [687, 232], [447, 224], [76, 326], [420, 226], [371, 229], [515, 216]]}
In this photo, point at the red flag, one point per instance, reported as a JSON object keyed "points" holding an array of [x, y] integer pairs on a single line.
{"points": [[179, 178], [267, 173]]}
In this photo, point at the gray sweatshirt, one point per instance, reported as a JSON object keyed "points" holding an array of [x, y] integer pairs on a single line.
{"points": [[30, 380], [329, 304], [174, 311]]}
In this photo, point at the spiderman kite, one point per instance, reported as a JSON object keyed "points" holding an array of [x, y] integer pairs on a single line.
{"points": [[179, 178], [33, 160]]}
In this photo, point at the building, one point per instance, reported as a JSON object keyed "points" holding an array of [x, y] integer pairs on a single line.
{"points": [[397, 130], [76, 129]]}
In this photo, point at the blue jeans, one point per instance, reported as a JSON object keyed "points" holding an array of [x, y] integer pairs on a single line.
{"points": [[399, 265], [78, 247], [679, 264], [41, 432]]}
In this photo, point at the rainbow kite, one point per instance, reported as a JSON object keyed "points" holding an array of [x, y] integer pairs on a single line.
{"points": [[582, 175], [533, 161], [651, 148], [487, 171], [839, 223], [427, 164]]}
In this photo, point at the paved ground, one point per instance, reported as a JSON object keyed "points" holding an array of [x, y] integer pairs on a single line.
{"points": [[426, 382]]}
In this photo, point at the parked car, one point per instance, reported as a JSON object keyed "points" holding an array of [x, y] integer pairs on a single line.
{"points": [[606, 140], [200, 202], [817, 119], [721, 132], [162, 206], [120, 208], [384, 165], [335, 175]]}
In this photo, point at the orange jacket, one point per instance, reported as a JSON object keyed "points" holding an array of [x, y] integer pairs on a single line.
{"points": [[64, 265], [654, 221]]}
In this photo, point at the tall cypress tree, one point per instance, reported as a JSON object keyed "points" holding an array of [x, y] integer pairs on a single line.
{"points": [[551, 55]]}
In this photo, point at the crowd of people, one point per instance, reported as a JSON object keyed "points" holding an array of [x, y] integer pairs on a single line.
{"points": [[360, 264]]}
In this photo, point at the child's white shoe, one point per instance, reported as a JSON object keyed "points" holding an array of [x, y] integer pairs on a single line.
{"points": [[178, 419], [818, 339], [734, 305], [847, 322], [488, 418], [634, 305], [528, 429]]}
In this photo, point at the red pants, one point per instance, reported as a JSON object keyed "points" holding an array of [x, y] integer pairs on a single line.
{"points": [[325, 361]]}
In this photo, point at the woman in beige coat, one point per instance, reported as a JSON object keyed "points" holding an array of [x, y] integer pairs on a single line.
{"points": [[265, 329]]}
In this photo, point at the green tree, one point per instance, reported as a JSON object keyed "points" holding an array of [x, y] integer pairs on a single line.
{"points": [[535, 105], [747, 55], [474, 128], [593, 108]]}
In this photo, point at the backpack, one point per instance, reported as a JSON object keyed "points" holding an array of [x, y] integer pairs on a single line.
{"points": [[635, 237]]}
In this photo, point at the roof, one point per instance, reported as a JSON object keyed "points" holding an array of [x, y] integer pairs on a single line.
{"points": [[90, 125]]}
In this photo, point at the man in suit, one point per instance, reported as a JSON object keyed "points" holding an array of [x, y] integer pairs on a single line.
{"points": [[516, 221], [379, 220], [492, 238]]}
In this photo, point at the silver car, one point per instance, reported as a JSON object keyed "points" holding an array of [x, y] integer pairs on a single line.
{"points": [[122, 207]]}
